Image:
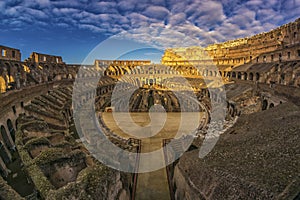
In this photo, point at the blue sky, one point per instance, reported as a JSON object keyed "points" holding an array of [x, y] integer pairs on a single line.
{"points": [[73, 28]]}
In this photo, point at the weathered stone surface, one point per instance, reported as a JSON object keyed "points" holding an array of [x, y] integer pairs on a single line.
{"points": [[97, 182], [6, 192], [258, 158]]}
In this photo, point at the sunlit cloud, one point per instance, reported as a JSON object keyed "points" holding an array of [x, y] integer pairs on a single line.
{"points": [[206, 21]]}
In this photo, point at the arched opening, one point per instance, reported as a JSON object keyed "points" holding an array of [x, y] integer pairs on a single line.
{"points": [[3, 153], [2, 85], [251, 76], [8, 69], [239, 75], [228, 74], [151, 82], [271, 105], [126, 70], [150, 99], [138, 82], [18, 68], [138, 71], [265, 105], [282, 77], [245, 76], [233, 75], [11, 130], [5, 137], [210, 73], [257, 76], [117, 71]]}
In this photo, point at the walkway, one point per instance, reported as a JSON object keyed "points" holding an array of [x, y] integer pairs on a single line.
{"points": [[151, 185]]}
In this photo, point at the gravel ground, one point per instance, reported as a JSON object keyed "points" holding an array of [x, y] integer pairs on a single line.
{"points": [[259, 157]]}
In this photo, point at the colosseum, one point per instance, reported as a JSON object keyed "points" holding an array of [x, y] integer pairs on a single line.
{"points": [[243, 95]]}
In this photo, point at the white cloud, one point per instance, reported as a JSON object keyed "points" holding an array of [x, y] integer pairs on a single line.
{"points": [[90, 27], [177, 19], [126, 5], [65, 11], [158, 36], [157, 12], [13, 11], [206, 20], [104, 7], [38, 14], [63, 25]]}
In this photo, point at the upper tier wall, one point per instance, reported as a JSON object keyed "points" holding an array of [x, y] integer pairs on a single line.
{"points": [[8, 53], [280, 44]]}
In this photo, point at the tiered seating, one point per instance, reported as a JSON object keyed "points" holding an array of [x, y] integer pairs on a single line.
{"points": [[51, 156]]}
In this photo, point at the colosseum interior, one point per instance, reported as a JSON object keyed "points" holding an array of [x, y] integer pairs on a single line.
{"points": [[257, 156]]}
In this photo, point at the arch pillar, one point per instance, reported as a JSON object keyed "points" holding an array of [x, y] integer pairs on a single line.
{"points": [[3, 169], [5, 136], [5, 153]]}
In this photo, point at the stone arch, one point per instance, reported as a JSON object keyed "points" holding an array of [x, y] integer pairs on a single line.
{"points": [[2, 85], [264, 104], [118, 70], [251, 76], [138, 82], [6, 138], [231, 110], [228, 74], [170, 70], [12, 72], [233, 75], [17, 66], [3, 153], [11, 129], [8, 68], [257, 76], [151, 81], [126, 70], [136, 70], [239, 75], [282, 78], [245, 76], [206, 72]]}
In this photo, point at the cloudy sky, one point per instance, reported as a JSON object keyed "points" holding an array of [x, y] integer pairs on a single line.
{"points": [[73, 28]]}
